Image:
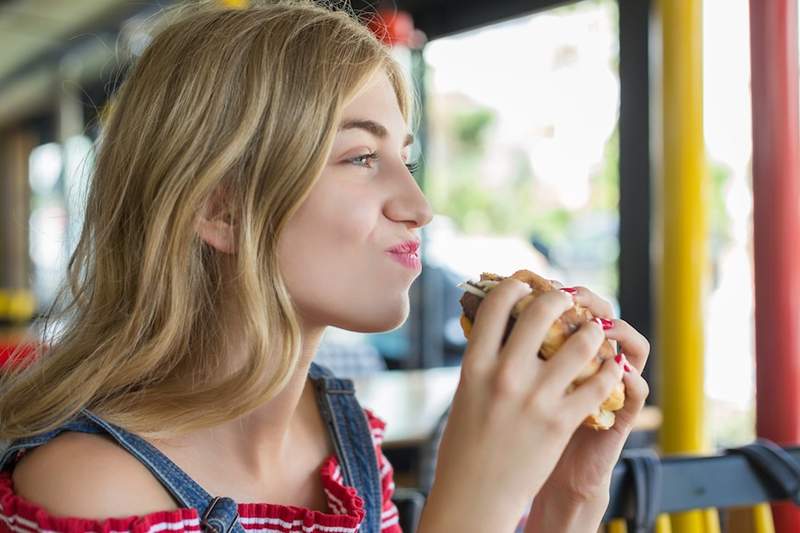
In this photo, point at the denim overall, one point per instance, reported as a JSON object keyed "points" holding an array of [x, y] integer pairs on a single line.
{"points": [[346, 422]]}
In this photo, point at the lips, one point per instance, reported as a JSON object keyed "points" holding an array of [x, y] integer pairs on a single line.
{"points": [[407, 247], [407, 254]]}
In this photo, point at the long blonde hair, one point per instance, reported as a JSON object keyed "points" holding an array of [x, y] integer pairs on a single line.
{"points": [[246, 101]]}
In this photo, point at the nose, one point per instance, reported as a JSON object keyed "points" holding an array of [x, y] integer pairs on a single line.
{"points": [[407, 203]]}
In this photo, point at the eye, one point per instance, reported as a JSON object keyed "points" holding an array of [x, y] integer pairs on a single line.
{"points": [[367, 160], [364, 160]]}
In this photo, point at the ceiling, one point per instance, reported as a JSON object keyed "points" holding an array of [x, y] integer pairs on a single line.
{"points": [[30, 29], [438, 18], [38, 36]]}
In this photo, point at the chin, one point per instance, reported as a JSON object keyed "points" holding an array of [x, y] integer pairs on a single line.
{"points": [[375, 320]]}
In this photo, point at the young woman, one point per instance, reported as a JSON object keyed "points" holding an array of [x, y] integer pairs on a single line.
{"points": [[252, 188]]}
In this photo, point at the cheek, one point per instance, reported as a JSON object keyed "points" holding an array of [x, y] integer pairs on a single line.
{"points": [[332, 258], [330, 233]]}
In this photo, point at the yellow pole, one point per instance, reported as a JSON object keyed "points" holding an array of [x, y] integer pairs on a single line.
{"points": [[684, 256], [711, 521], [762, 519], [663, 524], [617, 526]]}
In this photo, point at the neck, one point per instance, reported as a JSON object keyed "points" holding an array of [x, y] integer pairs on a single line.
{"points": [[266, 434]]}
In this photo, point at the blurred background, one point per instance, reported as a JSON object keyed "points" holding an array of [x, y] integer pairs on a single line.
{"points": [[552, 137]]}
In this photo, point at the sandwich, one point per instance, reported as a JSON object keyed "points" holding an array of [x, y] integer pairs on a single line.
{"points": [[566, 325]]}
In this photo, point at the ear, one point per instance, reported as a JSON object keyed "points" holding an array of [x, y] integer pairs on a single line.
{"points": [[214, 224]]}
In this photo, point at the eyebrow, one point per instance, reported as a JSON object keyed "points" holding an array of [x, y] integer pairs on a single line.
{"points": [[372, 127]]}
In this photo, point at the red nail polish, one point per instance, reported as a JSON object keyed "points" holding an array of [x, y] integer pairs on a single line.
{"points": [[618, 359], [569, 290], [606, 323], [627, 368]]}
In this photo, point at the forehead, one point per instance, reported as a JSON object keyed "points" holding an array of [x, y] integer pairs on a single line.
{"points": [[376, 96]]}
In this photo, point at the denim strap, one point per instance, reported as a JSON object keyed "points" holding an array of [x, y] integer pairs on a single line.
{"points": [[352, 438], [8, 457], [219, 515]]}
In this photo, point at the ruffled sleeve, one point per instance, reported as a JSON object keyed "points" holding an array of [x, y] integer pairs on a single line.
{"points": [[21, 516]]}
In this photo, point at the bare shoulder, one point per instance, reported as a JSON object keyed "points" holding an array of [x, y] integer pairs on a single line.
{"points": [[88, 476]]}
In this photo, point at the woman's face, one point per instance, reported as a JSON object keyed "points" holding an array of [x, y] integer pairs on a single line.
{"points": [[335, 251]]}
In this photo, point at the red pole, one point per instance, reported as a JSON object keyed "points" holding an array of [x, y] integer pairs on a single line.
{"points": [[776, 219]]}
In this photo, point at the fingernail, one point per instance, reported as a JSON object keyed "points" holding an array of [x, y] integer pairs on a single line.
{"points": [[626, 365], [618, 359], [569, 290], [606, 323], [598, 322]]}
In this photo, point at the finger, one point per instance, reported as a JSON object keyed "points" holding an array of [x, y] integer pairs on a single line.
{"points": [[636, 392], [587, 397], [491, 320], [597, 305], [632, 343], [521, 349], [572, 358], [636, 389]]}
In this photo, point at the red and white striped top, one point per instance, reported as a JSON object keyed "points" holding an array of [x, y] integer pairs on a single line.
{"points": [[344, 516]]}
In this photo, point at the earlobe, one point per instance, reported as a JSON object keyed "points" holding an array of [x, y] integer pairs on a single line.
{"points": [[217, 233], [215, 224]]}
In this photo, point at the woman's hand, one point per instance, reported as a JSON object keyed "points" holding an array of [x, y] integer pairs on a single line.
{"points": [[583, 474], [511, 416]]}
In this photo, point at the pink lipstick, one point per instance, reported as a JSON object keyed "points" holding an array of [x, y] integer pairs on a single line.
{"points": [[407, 254]]}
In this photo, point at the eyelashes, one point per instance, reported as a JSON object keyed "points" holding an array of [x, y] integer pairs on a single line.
{"points": [[413, 167], [366, 161]]}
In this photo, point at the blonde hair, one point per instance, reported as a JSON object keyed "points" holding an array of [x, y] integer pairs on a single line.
{"points": [[242, 100]]}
